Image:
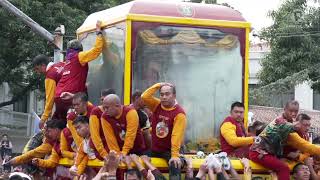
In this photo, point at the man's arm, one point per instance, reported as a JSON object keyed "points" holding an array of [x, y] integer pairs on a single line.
{"points": [[294, 140], [39, 152], [52, 162], [179, 126], [65, 147], [93, 53], [77, 139], [109, 135], [95, 135], [131, 132], [50, 88], [228, 131], [148, 98]]}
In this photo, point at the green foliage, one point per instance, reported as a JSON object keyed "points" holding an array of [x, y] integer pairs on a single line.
{"points": [[295, 52], [19, 44]]}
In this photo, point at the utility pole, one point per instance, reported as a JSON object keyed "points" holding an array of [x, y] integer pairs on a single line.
{"points": [[56, 39]]}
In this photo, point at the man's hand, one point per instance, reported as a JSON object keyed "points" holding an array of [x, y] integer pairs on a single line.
{"points": [[134, 158], [294, 155], [309, 161], [35, 161], [128, 161], [66, 95], [83, 177], [98, 25], [176, 162], [112, 162], [150, 176], [73, 170], [246, 164], [145, 158], [202, 170], [11, 162]]}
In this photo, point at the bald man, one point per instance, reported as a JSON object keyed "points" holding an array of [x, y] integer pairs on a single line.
{"points": [[168, 125], [120, 126]]}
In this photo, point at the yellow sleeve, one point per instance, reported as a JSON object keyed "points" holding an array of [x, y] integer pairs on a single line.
{"points": [[294, 140], [82, 166], [76, 138], [179, 126], [109, 135], [39, 152], [94, 124], [79, 156], [131, 131], [81, 160], [50, 88], [65, 148], [52, 162], [148, 98], [93, 53], [228, 131], [303, 156]]}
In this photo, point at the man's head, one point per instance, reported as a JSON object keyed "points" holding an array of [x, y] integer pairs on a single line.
{"points": [[53, 128], [168, 95], [112, 105], [79, 102], [256, 128], [303, 122], [136, 100], [40, 63], [133, 174], [81, 124], [75, 45], [301, 172], [237, 111], [4, 137], [291, 110], [106, 92]]}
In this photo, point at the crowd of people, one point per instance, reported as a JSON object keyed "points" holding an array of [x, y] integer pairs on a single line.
{"points": [[271, 145], [149, 127]]}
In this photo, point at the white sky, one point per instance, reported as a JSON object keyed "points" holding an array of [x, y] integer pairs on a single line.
{"points": [[255, 11]]}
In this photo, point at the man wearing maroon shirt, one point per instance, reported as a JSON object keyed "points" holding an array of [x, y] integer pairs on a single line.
{"points": [[74, 74], [52, 71]]}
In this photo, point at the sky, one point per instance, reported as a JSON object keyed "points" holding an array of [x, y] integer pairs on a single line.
{"points": [[255, 11]]}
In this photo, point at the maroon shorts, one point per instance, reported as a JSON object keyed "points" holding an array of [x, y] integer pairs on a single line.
{"points": [[62, 107]]}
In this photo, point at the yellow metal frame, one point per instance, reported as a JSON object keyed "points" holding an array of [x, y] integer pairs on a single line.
{"points": [[162, 164], [246, 78], [127, 64]]}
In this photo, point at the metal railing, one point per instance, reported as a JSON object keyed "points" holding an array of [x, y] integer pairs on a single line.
{"points": [[16, 124]]}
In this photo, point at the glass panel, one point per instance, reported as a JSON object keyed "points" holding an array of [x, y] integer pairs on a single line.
{"points": [[107, 70], [204, 64]]}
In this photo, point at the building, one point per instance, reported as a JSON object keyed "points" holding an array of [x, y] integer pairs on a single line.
{"points": [[17, 120]]}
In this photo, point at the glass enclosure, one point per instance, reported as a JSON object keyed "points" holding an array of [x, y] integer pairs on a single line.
{"points": [[205, 65], [107, 70]]}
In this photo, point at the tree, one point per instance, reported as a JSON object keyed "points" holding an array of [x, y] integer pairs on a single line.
{"points": [[19, 44], [294, 42]]}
